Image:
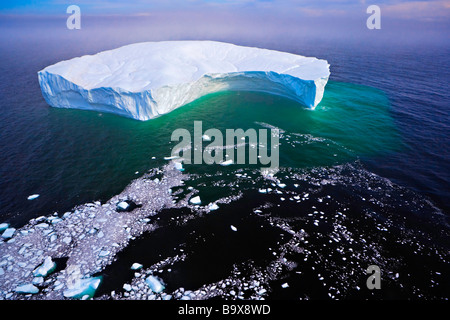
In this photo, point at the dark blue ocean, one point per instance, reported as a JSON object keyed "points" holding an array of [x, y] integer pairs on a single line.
{"points": [[373, 162]]}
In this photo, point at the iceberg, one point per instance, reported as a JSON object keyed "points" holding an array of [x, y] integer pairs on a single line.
{"points": [[146, 80]]}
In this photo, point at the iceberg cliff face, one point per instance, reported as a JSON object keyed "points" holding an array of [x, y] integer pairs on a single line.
{"points": [[145, 80]]}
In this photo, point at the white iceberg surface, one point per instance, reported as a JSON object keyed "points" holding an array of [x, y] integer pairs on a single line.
{"points": [[145, 80], [33, 196]]}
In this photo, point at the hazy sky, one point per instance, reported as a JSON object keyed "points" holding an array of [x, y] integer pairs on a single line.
{"points": [[407, 9], [258, 20]]}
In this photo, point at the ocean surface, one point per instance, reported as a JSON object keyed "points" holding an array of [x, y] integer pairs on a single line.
{"points": [[364, 179]]}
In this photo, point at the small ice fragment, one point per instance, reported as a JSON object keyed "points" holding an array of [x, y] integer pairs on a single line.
{"points": [[123, 205], [3, 226], [137, 172], [226, 163], [195, 200], [136, 266], [154, 284], [282, 185], [83, 287], [262, 291], [179, 166], [153, 158], [205, 137], [127, 287], [171, 158], [103, 253], [262, 190], [33, 196], [233, 228], [285, 285], [8, 233], [27, 289], [47, 267], [37, 280], [213, 207], [67, 240]]}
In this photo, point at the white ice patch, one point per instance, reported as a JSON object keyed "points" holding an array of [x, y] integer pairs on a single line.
{"points": [[154, 284], [45, 268], [8, 233], [82, 288], [195, 200], [27, 289]]}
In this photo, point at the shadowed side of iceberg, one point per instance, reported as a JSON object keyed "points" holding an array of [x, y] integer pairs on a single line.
{"points": [[148, 104]]}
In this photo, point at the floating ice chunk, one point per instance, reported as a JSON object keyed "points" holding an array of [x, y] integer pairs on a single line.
{"points": [[83, 287], [127, 287], [233, 228], [104, 253], [33, 196], [282, 185], [47, 267], [8, 233], [261, 291], [154, 284], [285, 285], [67, 240], [123, 205], [179, 166], [226, 163], [171, 158], [37, 280], [136, 266], [205, 137], [27, 289], [262, 190], [213, 207], [195, 200], [3, 226]]}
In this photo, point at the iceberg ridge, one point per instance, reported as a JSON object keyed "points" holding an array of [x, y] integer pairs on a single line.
{"points": [[145, 80]]}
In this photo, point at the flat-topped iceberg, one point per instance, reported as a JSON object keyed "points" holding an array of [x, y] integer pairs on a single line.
{"points": [[145, 80]]}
